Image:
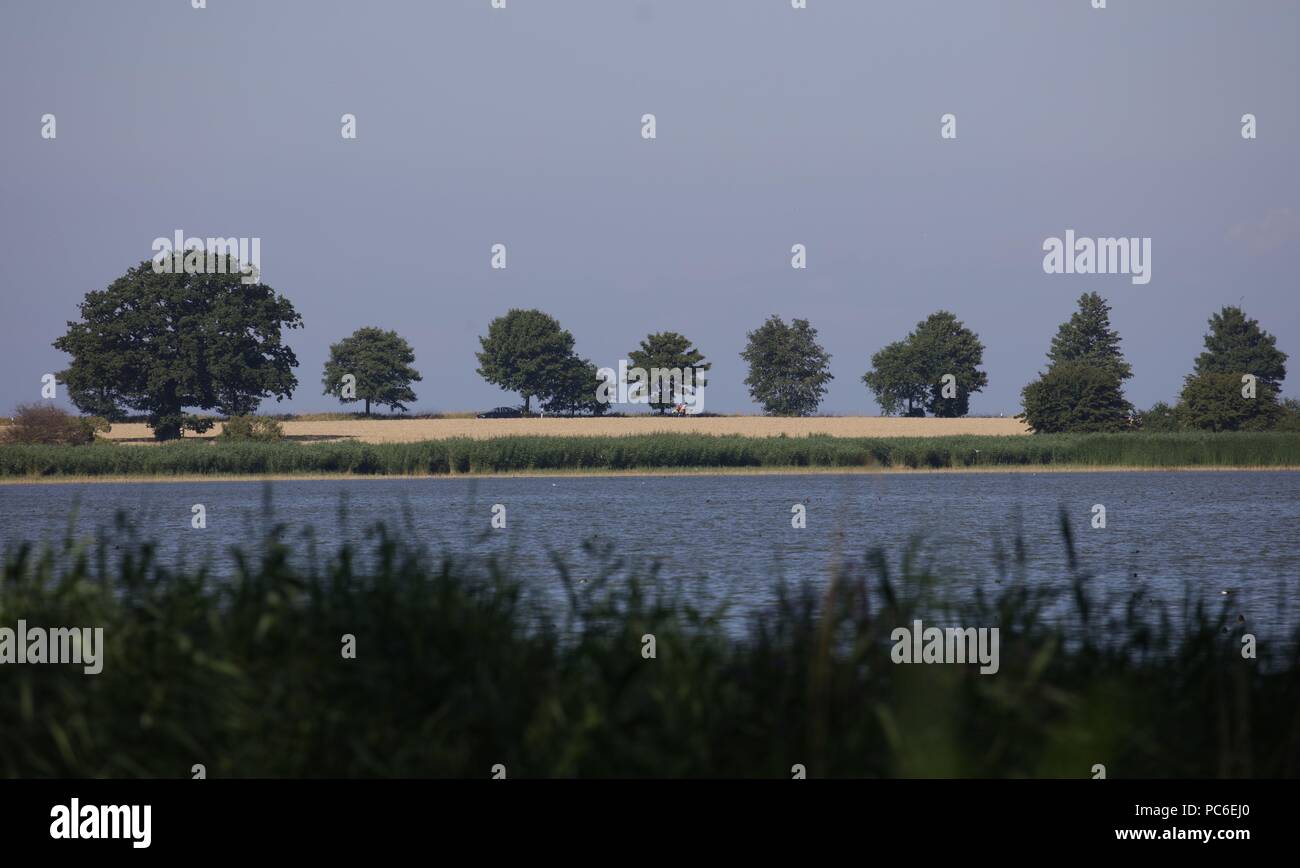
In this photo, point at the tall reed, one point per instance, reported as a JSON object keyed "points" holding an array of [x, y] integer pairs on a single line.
{"points": [[654, 451]]}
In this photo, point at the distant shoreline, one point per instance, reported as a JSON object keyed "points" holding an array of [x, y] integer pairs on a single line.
{"points": [[646, 472]]}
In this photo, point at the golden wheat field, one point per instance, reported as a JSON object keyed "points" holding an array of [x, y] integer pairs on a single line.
{"points": [[409, 430]]}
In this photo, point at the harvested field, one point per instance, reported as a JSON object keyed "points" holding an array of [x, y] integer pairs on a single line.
{"points": [[414, 430]]}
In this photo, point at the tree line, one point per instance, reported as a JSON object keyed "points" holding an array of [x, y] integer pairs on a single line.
{"points": [[160, 344]]}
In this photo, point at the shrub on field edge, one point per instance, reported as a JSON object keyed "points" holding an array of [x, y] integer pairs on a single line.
{"points": [[42, 423], [261, 429], [1161, 417]]}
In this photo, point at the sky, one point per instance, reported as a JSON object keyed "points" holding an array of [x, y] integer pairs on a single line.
{"points": [[774, 127]]}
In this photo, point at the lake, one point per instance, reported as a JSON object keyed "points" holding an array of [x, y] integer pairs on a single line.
{"points": [[732, 537]]}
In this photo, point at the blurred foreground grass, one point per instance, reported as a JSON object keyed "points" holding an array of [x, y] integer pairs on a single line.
{"points": [[455, 672]]}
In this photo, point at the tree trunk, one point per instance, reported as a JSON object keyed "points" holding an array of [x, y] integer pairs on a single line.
{"points": [[168, 417], [367, 406]]}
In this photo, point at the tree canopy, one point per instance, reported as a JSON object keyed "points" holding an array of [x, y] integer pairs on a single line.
{"points": [[1214, 402], [1237, 345], [160, 343], [1072, 396], [527, 352], [788, 369], [381, 363], [574, 389], [668, 350], [1088, 338], [907, 376], [897, 379]]}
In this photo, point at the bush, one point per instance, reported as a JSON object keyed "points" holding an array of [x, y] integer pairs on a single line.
{"points": [[1075, 397], [42, 423], [1290, 419], [260, 429], [1161, 417]]}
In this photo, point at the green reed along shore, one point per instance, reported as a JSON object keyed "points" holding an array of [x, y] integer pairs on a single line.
{"points": [[455, 671], [652, 452]]}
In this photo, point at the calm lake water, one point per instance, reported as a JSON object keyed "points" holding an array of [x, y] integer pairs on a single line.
{"points": [[731, 536]]}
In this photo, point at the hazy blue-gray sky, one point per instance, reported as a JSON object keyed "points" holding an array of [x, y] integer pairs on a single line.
{"points": [[775, 126]]}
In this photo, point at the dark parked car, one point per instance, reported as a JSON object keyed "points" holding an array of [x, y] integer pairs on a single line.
{"points": [[502, 413]]}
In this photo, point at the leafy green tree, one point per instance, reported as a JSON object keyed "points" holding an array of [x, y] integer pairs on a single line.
{"points": [[1073, 396], [527, 352], [1237, 345], [381, 363], [574, 390], [1088, 338], [158, 343], [1214, 402], [788, 369], [897, 379], [908, 374], [946, 346], [668, 350]]}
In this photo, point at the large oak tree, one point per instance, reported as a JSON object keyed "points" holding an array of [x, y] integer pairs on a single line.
{"points": [[161, 343]]}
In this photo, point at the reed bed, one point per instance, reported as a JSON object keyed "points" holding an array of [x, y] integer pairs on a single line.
{"points": [[651, 452]]}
